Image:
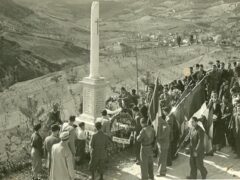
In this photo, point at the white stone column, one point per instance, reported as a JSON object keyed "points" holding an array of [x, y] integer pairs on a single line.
{"points": [[94, 86], [94, 52]]}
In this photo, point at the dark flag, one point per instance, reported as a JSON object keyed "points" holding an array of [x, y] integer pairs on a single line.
{"points": [[190, 104], [154, 103]]}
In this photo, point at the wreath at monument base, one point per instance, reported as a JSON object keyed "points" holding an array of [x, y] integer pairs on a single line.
{"points": [[122, 128]]}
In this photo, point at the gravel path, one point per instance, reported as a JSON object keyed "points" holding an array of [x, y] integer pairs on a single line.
{"points": [[121, 166]]}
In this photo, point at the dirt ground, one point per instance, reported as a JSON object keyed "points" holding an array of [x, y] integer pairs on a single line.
{"points": [[223, 165]]}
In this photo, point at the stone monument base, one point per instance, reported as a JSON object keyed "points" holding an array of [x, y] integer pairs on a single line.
{"points": [[93, 101]]}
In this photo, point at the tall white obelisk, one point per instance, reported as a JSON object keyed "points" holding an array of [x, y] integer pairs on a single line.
{"points": [[94, 86], [94, 54]]}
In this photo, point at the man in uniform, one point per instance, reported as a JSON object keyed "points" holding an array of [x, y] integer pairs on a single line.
{"points": [[98, 151], [163, 138], [147, 139], [196, 150]]}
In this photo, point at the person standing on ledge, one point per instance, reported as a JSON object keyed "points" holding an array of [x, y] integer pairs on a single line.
{"points": [[196, 150], [54, 116], [98, 151], [147, 139]]}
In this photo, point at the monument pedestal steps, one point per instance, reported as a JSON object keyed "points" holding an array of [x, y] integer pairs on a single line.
{"points": [[94, 93]]}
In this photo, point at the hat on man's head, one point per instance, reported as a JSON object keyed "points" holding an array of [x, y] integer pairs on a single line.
{"points": [[64, 135]]}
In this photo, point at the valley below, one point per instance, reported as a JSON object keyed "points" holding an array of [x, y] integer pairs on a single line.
{"points": [[44, 52]]}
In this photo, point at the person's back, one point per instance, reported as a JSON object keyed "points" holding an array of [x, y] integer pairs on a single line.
{"points": [[148, 136], [48, 144], [99, 145], [98, 151], [50, 141], [60, 168]]}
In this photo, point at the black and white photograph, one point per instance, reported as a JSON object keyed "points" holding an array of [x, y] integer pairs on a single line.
{"points": [[119, 89]]}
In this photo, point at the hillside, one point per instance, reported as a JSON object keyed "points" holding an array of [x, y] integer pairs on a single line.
{"points": [[30, 47], [18, 65], [59, 32], [39, 38]]}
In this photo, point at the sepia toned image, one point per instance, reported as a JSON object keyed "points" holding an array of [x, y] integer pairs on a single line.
{"points": [[119, 89]]}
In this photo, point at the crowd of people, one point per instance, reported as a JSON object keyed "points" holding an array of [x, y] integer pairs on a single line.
{"points": [[65, 148]]}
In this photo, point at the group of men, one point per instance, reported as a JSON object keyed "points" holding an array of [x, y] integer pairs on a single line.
{"points": [[65, 147], [223, 98]]}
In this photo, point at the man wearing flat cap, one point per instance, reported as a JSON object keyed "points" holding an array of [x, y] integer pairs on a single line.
{"points": [[62, 160]]}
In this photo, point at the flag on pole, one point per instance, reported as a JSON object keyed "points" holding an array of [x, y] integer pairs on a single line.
{"points": [[202, 111], [154, 103]]}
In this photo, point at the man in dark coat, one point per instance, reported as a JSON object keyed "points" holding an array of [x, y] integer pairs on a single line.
{"points": [[147, 140], [98, 145], [196, 150]]}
